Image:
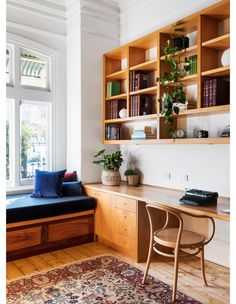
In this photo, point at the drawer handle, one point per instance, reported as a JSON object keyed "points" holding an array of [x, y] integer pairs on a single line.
{"points": [[125, 216], [125, 229], [125, 204]]}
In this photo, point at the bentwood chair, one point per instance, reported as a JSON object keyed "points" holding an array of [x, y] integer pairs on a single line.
{"points": [[176, 240]]}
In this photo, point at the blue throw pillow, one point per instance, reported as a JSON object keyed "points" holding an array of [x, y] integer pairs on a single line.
{"points": [[72, 189], [48, 184]]}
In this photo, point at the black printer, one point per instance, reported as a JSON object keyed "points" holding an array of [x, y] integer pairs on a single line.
{"points": [[199, 197]]}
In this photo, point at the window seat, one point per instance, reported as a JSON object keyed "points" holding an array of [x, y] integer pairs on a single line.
{"points": [[23, 207], [37, 225]]}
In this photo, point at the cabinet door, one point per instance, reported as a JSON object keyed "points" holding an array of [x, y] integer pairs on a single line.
{"points": [[103, 215]]}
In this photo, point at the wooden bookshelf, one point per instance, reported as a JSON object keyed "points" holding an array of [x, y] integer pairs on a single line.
{"points": [[144, 55]]}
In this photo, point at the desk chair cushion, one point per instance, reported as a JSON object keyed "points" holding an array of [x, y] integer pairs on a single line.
{"points": [[168, 238]]}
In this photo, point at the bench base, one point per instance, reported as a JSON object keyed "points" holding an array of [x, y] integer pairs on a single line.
{"points": [[42, 235]]}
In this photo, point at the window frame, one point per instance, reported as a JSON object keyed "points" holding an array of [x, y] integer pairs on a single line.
{"points": [[20, 92]]}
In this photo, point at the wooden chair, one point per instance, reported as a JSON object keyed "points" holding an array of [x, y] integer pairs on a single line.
{"points": [[177, 240]]}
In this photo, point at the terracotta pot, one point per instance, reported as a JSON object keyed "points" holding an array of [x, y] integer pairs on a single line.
{"points": [[111, 178], [132, 180]]}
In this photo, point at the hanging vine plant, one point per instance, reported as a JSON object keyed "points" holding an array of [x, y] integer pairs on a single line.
{"points": [[171, 80]]}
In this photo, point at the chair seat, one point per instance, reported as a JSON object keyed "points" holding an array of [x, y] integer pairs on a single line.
{"points": [[168, 238]]}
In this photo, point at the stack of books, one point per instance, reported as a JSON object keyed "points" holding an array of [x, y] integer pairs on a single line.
{"points": [[188, 105], [193, 64], [215, 92], [113, 88], [141, 105], [113, 132], [138, 80], [114, 107], [142, 132]]}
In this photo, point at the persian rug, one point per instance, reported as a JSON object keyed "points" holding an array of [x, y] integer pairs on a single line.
{"points": [[100, 280]]}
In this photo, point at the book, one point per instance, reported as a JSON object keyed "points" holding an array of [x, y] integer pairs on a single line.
{"points": [[215, 92], [113, 88], [113, 132], [138, 80]]}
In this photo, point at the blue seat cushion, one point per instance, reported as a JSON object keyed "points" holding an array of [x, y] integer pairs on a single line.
{"points": [[23, 207]]}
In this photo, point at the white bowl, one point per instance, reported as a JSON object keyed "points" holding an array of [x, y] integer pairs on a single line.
{"points": [[225, 57]]}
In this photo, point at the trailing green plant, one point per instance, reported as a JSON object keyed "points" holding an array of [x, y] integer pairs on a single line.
{"points": [[129, 172], [109, 162], [171, 80]]}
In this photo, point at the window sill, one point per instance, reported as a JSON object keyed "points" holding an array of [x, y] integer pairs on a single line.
{"points": [[20, 190]]}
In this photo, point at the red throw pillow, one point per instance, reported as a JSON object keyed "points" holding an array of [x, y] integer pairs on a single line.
{"points": [[70, 176]]}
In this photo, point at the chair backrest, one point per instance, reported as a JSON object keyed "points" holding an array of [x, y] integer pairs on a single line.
{"points": [[168, 210]]}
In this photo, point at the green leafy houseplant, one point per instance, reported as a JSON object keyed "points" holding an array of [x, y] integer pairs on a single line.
{"points": [[129, 172], [132, 176], [171, 80], [111, 164]]}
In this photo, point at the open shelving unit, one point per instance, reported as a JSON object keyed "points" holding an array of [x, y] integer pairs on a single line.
{"points": [[209, 35]]}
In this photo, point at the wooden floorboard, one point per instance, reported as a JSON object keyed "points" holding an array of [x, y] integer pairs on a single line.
{"points": [[190, 278]]}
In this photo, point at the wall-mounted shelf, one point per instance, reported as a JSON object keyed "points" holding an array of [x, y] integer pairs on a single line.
{"points": [[131, 63], [219, 43]]}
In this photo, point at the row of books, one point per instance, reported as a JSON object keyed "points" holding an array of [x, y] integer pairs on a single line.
{"points": [[113, 88], [215, 92], [142, 132], [113, 108], [138, 80], [192, 64], [113, 132], [141, 105]]}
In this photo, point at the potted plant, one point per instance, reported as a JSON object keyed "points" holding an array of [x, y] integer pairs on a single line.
{"points": [[132, 176], [111, 164], [171, 80]]}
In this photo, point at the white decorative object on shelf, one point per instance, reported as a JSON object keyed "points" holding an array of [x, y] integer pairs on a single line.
{"points": [[123, 113], [225, 57]]}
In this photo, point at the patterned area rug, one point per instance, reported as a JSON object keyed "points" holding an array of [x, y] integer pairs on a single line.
{"points": [[101, 280]]}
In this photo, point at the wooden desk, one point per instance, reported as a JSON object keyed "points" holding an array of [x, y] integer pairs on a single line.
{"points": [[121, 219], [165, 196]]}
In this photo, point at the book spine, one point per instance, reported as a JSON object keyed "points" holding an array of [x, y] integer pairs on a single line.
{"points": [[130, 81], [210, 103], [214, 92], [207, 93]]}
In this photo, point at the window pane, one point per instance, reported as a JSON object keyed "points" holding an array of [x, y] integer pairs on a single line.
{"points": [[33, 70], [9, 141], [34, 138], [8, 65]]}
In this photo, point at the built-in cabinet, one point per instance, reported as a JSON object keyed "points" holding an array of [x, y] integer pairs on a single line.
{"points": [[116, 221]]}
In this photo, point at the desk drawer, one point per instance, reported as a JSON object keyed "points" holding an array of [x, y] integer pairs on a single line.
{"points": [[126, 203], [125, 223], [125, 242], [23, 238]]}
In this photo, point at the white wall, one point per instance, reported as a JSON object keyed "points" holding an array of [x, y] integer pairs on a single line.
{"points": [[207, 166], [87, 40], [43, 25]]}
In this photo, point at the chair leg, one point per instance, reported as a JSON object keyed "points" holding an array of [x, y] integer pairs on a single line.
{"points": [[203, 266], [148, 261], [176, 267]]}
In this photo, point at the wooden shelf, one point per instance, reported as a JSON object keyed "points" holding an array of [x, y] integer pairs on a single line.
{"points": [[218, 43], [120, 96], [185, 52], [221, 71], [131, 142], [133, 118], [148, 91], [208, 47], [206, 111], [178, 141], [147, 66], [120, 75], [213, 140]]}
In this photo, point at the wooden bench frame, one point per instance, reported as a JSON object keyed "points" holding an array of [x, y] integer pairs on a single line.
{"points": [[31, 237]]}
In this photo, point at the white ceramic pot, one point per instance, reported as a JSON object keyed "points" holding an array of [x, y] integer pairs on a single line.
{"points": [[111, 178], [123, 113], [225, 57]]}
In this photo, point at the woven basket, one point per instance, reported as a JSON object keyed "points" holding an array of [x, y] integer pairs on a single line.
{"points": [[111, 178]]}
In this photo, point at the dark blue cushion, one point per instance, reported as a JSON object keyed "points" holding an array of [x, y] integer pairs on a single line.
{"points": [[22, 207], [72, 189], [48, 184]]}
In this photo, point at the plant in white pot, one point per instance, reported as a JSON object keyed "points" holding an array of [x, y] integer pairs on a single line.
{"points": [[132, 176], [111, 164]]}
